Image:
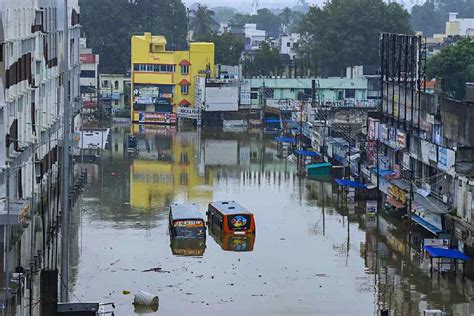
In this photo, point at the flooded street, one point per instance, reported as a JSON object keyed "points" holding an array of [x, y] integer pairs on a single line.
{"points": [[311, 254]]}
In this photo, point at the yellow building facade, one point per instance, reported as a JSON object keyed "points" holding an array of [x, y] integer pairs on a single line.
{"points": [[163, 80]]}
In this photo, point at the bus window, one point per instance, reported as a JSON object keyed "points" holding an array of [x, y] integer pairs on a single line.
{"points": [[189, 228]]}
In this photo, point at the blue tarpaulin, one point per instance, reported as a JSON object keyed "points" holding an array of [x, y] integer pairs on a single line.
{"points": [[383, 172], [285, 139], [277, 121], [352, 184], [425, 224], [307, 153], [437, 252]]}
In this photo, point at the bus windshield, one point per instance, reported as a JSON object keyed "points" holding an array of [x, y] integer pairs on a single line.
{"points": [[190, 228]]}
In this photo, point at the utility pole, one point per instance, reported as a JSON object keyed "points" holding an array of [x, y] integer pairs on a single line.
{"points": [[65, 165]]}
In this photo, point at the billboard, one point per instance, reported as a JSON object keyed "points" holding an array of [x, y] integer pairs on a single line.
{"points": [[157, 118], [191, 113], [199, 91], [222, 99], [446, 158], [87, 58], [148, 94]]}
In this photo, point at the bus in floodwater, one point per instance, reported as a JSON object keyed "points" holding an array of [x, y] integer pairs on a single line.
{"points": [[230, 218], [185, 221]]}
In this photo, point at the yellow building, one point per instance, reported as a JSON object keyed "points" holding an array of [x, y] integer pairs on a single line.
{"points": [[164, 80]]}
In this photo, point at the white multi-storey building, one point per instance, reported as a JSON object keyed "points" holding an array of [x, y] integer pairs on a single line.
{"points": [[31, 106]]}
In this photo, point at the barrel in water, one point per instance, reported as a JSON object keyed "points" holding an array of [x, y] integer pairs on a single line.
{"points": [[145, 298]]}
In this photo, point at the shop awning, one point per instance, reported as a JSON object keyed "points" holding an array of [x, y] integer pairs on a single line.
{"points": [[285, 139], [184, 102], [307, 153], [184, 82], [423, 223], [437, 252], [352, 184], [430, 204], [395, 203], [184, 62]]}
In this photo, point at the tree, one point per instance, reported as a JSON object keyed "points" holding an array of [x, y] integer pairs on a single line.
{"points": [[109, 24], [202, 22], [264, 19], [289, 20], [228, 48], [346, 33], [455, 65], [223, 14], [264, 62], [427, 19]]}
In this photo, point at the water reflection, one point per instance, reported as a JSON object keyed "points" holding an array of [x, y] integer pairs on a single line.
{"points": [[232, 242], [310, 238], [194, 247]]}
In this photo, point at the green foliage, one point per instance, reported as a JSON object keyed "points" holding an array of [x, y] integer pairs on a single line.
{"points": [[290, 19], [228, 48], [109, 24], [223, 14], [264, 62], [202, 22], [427, 19], [346, 33], [455, 65], [264, 19], [431, 19]]}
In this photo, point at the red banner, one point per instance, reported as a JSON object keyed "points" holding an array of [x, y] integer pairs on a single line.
{"points": [[89, 104], [87, 58]]}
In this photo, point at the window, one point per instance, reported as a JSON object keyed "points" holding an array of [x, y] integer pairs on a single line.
{"points": [[87, 74], [184, 69], [288, 44], [268, 93], [254, 95], [350, 93], [153, 68], [184, 89], [116, 102], [116, 86], [105, 84]]}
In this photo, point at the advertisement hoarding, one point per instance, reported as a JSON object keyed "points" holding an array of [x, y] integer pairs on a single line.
{"points": [[222, 99], [157, 118]]}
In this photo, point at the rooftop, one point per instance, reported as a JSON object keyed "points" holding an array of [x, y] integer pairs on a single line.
{"points": [[185, 211], [229, 207]]}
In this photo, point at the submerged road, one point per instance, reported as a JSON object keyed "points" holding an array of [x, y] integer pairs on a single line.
{"points": [[311, 254]]}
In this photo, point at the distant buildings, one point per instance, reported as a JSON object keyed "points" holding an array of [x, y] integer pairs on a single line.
{"points": [[288, 44], [89, 75], [115, 91], [163, 80], [253, 37], [459, 27]]}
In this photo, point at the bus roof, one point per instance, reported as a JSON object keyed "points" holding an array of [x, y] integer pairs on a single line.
{"points": [[185, 211], [229, 207]]}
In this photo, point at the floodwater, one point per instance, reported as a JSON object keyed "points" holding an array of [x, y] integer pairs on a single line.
{"points": [[312, 254]]}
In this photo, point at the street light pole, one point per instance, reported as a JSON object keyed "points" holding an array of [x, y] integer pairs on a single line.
{"points": [[65, 165]]}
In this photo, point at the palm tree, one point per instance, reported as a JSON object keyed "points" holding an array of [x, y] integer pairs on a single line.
{"points": [[202, 21]]}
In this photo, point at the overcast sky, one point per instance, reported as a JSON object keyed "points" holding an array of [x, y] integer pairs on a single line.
{"points": [[246, 5]]}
